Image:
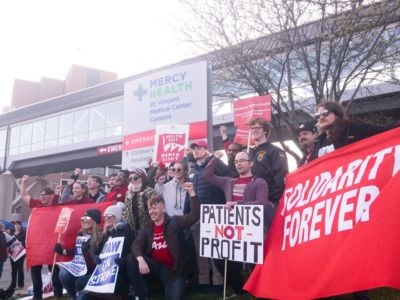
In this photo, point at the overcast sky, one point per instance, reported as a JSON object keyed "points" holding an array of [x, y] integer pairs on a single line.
{"points": [[43, 38]]}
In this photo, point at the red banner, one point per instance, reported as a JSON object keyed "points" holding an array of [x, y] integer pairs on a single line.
{"points": [[255, 107], [41, 237], [337, 226]]}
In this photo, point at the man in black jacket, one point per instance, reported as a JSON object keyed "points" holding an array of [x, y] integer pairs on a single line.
{"points": [[270, 162], [307, 134]]}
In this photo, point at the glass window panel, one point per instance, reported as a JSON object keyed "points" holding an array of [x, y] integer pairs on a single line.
{"points": [[97, 117], [50, 144], [13, 150], [114, 113], [38, 131], [3, 138], [81, 137], [81, 121], [14, 137], [65, 141], [98, 134], [38, 146], [66, 122], [114, 131], [25, 149], [52, 128], [26, 134]]}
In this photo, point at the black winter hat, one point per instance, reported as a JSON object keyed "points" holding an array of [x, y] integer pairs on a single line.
{"points": [[95, 214], [307, 126]]}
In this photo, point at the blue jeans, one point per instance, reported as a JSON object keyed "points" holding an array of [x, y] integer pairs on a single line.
{"points": [[173, 289], [74, 285]]}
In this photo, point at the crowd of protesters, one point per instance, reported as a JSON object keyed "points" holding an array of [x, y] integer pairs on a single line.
{"points": [[152, 207]]}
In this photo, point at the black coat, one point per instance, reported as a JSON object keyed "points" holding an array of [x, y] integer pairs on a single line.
{"points": [[351, 132], [270, 163]]}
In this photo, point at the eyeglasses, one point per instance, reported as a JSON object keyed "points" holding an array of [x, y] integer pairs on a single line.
{"points": [[256, 128], [241, 160], [325, 113], [176, 170], [85, 218], [134, 178], [108, 216]]}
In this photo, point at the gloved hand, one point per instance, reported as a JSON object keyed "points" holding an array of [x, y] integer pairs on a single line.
{"points": [[85, 247], [96, 259], [58, 249]]}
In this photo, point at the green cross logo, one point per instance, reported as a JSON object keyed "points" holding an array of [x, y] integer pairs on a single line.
{"points": [[140, 92]]}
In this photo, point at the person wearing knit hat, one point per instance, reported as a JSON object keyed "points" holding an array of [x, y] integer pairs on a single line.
{"points": [[115, 226], [115, 211], [95, 214], [136, 212], [87, 242]]}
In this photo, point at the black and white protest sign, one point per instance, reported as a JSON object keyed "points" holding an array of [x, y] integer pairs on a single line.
{"points": [[236, 234]]}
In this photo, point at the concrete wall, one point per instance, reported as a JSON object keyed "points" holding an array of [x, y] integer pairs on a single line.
{"points": [[7, 192]]}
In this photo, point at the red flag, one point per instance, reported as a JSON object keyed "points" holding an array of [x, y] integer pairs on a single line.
{"points": [[337, 228], [41, 237]]}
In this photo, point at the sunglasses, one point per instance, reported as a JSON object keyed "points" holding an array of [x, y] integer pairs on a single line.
{"points": [[325, 113], [175, 170], [108, 216], [85, 218], [134, 178]]}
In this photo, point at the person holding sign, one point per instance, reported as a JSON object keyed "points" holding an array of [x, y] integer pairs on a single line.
{"points": [[17, 266], [247, 189], [114, 227], [47, 198], [75, 274], [3, 247], [159, 250], [269, 162], [207, 194], [231, 150]]}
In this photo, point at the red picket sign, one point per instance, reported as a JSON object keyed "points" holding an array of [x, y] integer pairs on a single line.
{"points": [[255, 107]]}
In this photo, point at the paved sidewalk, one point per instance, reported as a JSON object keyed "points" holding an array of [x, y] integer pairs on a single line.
{"points": [[6, 278]]}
